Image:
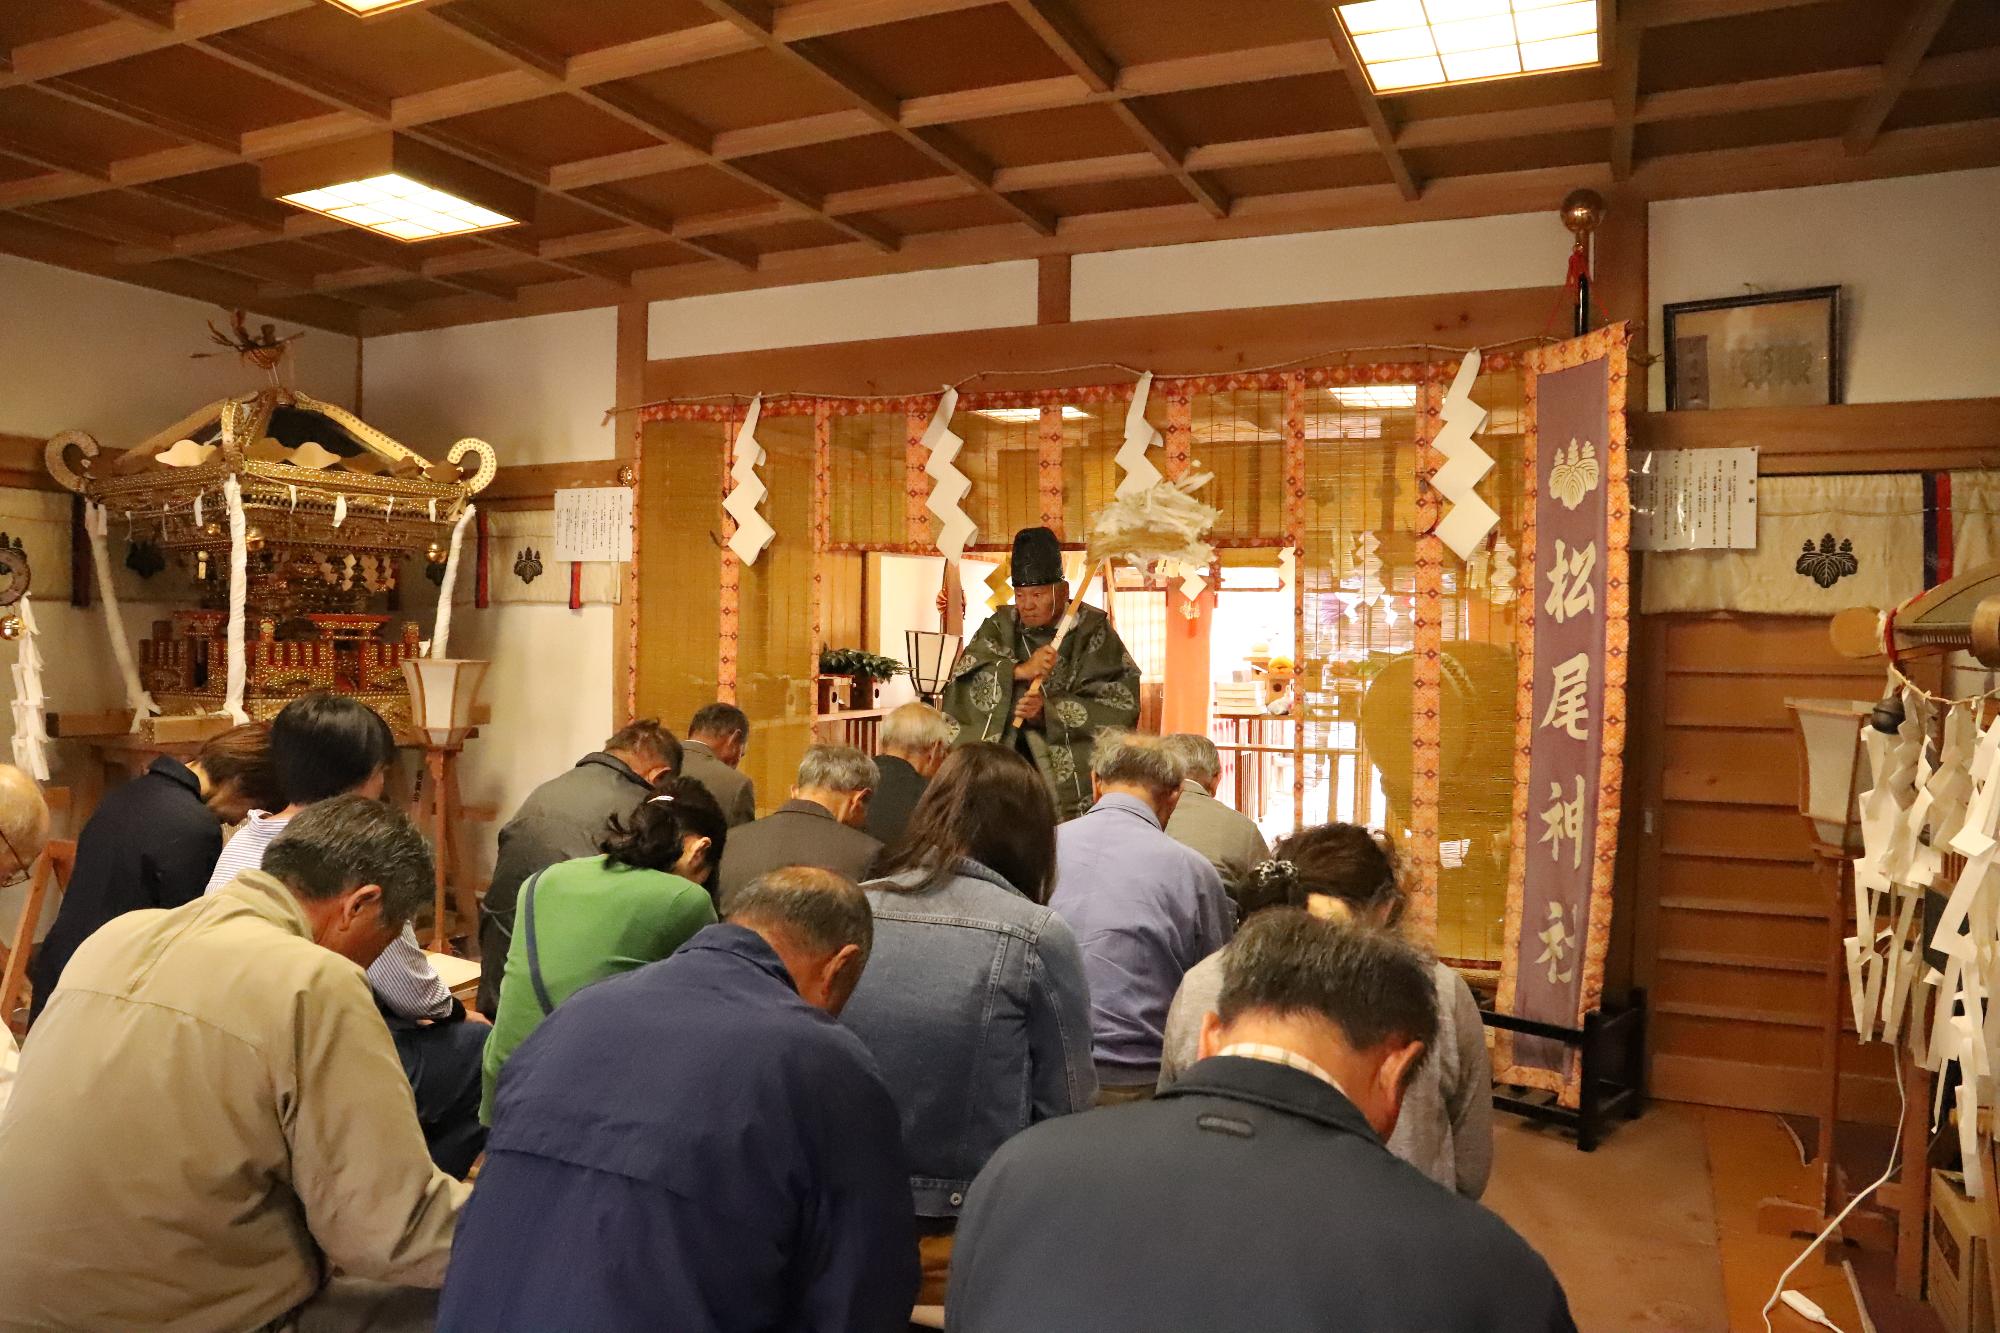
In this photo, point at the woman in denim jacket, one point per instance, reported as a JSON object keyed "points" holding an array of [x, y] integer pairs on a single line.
{"points": [[973, 1001]]}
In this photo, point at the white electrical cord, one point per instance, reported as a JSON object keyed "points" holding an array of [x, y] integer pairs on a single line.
{"points": [[1796, 1302]]}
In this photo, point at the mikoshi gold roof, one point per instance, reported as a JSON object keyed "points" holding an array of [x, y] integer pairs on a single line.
{"points": [[302, 464]]}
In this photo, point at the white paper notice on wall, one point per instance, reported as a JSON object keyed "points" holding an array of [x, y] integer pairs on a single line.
{"points": [[593, 523], [1694, 500]]}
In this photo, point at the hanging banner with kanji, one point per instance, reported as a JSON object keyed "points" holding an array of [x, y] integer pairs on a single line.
{"points": [[1569, 709]]}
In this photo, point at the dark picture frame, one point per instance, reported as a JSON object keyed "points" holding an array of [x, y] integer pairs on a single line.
{"points": [[1764, 349]]}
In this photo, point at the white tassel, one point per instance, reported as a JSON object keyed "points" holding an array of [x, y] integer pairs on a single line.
{"points": [[295, 497], [434, 511], [442, 633], [239, 583], [136, 698], [339, 510], [197, 509]]}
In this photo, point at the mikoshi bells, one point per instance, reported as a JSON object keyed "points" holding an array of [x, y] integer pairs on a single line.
{"points": [[1582, 211], [1037, 559]]}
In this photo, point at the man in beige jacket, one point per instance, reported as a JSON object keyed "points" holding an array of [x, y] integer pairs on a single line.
{"points": [[211, 1116]]}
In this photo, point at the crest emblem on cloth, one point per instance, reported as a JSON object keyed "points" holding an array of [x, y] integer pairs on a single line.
{"points": [[1573, 474], [1827, 564]]}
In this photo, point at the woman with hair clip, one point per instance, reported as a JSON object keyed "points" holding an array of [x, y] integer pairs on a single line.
{"points": [[1343, 872], [974, 1002], [581, 921]]}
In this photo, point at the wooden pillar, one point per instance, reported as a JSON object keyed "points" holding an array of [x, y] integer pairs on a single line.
{"points": [[1184, 699], [1052, 290], [1619, 273]]}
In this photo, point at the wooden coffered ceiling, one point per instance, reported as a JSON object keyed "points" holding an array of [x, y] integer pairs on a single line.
{"points": [[688, 146]]}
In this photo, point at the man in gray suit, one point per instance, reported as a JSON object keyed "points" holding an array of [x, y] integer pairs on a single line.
{"points": [[820, 826], [1232, 843], [717, 740]]}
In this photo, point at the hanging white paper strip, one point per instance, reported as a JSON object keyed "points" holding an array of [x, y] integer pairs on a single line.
{"points": [[31, 737], [239, 585], [339, 510], [136, 698], [1288, 568], [441, 634], [949, 486], [1139, 472], [753, 533], [1470, 517]]}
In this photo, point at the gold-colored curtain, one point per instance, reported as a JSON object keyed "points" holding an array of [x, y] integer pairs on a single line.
{"points": [[774, 667], [680, 572], [865, 499], [999, 459]]}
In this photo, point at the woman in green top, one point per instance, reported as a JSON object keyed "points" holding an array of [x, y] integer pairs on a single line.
{"points": [[584, 920]]}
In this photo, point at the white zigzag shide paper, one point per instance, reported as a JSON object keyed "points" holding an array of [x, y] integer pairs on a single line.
{"points": [[949, 486], [752, 533], [1471, 518]]}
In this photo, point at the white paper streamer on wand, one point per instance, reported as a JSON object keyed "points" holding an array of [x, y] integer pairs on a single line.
{"points": [[442, 633], [31, 737], [197, 509], [136, 698], [239, 586]]}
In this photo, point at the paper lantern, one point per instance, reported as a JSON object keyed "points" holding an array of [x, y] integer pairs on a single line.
{"points": [[442, 693]]}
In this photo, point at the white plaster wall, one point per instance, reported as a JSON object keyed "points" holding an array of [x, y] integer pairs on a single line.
{"points": [[1918, 259], [981, 296], [79, 352], [536, 390], [1408, 259]]}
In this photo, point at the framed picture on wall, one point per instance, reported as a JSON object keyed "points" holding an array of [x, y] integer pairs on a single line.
{"points": [[1767, 349]]}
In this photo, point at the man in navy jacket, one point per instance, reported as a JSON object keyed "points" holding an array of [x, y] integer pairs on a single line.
{"points": [[698, 1145], [1255, 1192]]}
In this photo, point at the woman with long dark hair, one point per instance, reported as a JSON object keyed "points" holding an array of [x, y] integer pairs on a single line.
{"points": [[973, 1001], [581, 921], [1343, 872]]}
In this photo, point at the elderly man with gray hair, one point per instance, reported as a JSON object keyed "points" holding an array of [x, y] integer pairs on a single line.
{"points": [[915, 740], [1231, 841], [698, 1145], [1144, 908], [823, 824]]}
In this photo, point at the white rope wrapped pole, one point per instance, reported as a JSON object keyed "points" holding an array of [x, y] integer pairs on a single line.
{"points": [[442, 634], [239, 581], [136, 698]]}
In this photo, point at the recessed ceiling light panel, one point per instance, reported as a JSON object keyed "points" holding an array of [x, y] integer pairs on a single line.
{"points": [[370, 8], [398, 188], [1405, 44]]}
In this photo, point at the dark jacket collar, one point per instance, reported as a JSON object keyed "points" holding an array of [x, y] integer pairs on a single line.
{"points": [[741, 942], [885, 762], [166, 766], [804, 808], [616, 765], [1279, 1087]]}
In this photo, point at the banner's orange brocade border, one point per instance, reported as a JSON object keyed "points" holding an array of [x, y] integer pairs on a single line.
{"points": [[822, 525], [1426, 675], [916, 484], [1611, 343], [1295, 385], [1048, 470], [729, 606]]}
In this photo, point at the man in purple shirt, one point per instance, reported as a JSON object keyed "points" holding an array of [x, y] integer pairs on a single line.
{"points": [[1143, 907]]}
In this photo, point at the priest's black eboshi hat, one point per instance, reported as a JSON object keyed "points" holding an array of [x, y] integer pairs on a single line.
{"points": [[1037, 558]]}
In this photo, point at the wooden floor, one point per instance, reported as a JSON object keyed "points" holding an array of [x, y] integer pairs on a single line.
{"points": [[1657, 1230]]}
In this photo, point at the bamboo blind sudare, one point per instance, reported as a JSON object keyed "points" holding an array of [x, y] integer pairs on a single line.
{"points": [[1312, 458]]}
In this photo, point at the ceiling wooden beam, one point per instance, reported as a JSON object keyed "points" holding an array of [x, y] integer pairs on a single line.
{"points": [[147, 118], [1373, 114], [1900, 152], [755, 19], [1792, 90], [265, 61], [1665, 13], [1906, 53], [1064, 34], [649, 116], [125, 37], [1626, 36], [155, 14]]}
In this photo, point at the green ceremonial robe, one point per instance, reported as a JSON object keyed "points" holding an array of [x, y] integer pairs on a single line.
{"points": [[1094, 684]]}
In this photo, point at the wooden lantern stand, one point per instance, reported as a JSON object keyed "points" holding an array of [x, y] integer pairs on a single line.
{"points": [[438, 809]]}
